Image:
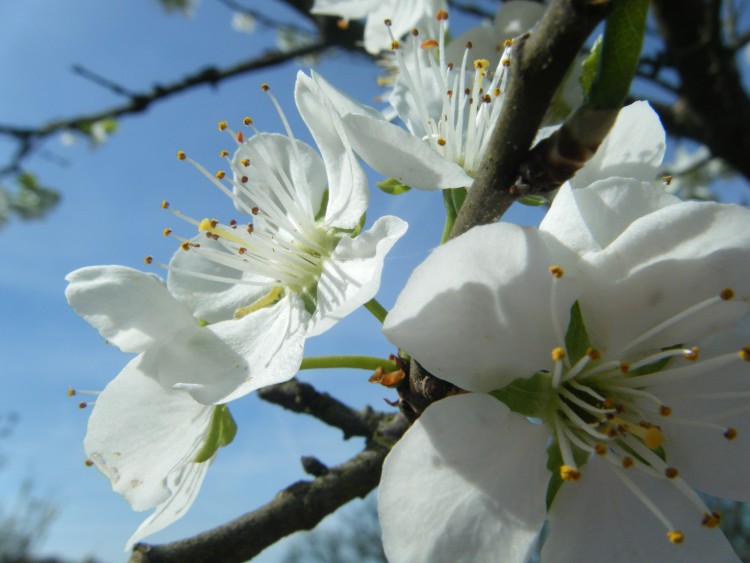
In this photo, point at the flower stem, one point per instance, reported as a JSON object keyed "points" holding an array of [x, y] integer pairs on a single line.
{"points": [[369, 363], [450, 215], [376, 309]]}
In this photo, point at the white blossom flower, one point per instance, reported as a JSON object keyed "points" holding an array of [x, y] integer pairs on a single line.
{"points": [[154, 443], [302, 259], [406, 15], [449, 114], [617, 382], [243, 22]]}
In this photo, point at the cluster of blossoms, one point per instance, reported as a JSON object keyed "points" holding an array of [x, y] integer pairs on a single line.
{"points": [[601, 359]]}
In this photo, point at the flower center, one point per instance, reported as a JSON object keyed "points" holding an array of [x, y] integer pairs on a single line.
{"points": [[454, 111]]}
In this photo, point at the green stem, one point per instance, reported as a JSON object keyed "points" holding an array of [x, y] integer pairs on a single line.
{"points": [[369, 363], [377, 309], [450, 215]]}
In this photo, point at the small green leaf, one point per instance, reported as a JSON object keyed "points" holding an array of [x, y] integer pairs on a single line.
{"points": [[109, 125], [590, 66], [221, 433], [576, 338], [529, 396], [393, 186], [534, 200], [554, 462]]}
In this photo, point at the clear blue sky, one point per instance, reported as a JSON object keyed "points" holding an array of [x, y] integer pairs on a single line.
{"points": [[110, 214]]}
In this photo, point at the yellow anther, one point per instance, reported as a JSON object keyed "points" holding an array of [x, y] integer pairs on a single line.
{"points": [[164, 204], [265, 87], [726, 294], [711, 520], [342, 24], [71, 392], [558, 354], [441, 142], [185, 246], [481, 64], [745, 353], [469, 45], [624, 367], [415, 32], [556, 271], [245, 162], [593, 354], [568, 473], [665, 410], [247, 121], [600, 449], [496, 92], [429, 44], [508, 43], [224, 153], [671, 473], [667, 180], [653, 437], [505, 62], [627, 462], [211, 226], [692, 354], [675, 536], [442, 15], [148, 259], [730, 434], [222, 125], [395, 45], [166, 232], [220, 174], [181, 155]]}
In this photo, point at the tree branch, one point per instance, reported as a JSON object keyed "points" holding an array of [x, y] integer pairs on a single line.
{"points": [[300, 506]]}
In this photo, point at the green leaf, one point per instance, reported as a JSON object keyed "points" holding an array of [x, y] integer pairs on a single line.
{"points": [[530, 396], [576, 338], [534, 200], [221, 433], [393, 186], [554, 462], [620, 52], [590, 66]]}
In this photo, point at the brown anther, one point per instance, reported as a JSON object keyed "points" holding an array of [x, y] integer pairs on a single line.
{"points": [[726, 294], [387, 21], [692, 354], [254, 210], [220, 174], [414, 31], [224, 153], [620, 408], [441, 142], [667, 180], [181, 155], [185, 246], [556, 271], [450, 66], [442, 15], [222, 125], [627, 462], [449, 93], [164, 204], [82, 405], [730, 434], [232, 223], [71, 392], [609, 403], [600, 449], [245, 162], [240, 137], [166, 232], [665, 410], [429, 44], [505, 62], [247, 121], [469, 44], [215, 237], [624, 367], [508, 43], [568, 473], [265, 87], [250, 228], [593, 354], [148, 259], [243, 179], [675, 536], [242, 250], [744, 353], [395, 45], [671, 472], [711, 520], [88, 463], [486, 98], [467, 91], [213, 223]]}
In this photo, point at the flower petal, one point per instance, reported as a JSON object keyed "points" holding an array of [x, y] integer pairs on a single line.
{"points": [[347, 183], [144, 439], [478, 311], [634, 148], [446, 498], [395, 153], [351, 277], [132, 310], [599, 519]]}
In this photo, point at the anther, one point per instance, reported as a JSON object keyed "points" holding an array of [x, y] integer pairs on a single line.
{"points": [[667, 180], [250, 228], [481, 64], [624, 367], [745, 353], [627, 462], [88, 463], [653, 437], [265, 87], [441, 142], [247, 121], [508, 43], [568, 473], [166, 232], [558, 354], [556, 271], [224, 153], [730, 434], [665, 410], [415, 32], [242, 250], [220, 174], [600, 449], [726, 294], [243, 180], [148, 259], [442, 15], [496, 92], [675, 536], [395, 45], [469, 45], [254, 211], [181, 155], [240, 137], [387, 21], [692, 354], [593, 354], [711, 520], [83, 405], [342, 24], [245, 162], [671, 472], [185, 246], [164, 204], [429, 44], [505, 62], [222, 125]]}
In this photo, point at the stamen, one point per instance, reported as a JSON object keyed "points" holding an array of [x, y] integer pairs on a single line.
{"points": [[673, 535]]}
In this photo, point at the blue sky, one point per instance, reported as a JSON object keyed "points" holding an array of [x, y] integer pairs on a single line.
{"points": [[110, 214]]}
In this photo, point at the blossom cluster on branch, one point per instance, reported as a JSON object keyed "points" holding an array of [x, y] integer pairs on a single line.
{"points": [[598, 364]]}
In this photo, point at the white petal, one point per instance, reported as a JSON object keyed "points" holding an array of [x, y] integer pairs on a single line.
{"points": [[484, 44], [347, 183], [590, 218], [404, 17], [634, 148], [600, 519], [227, 360], [144, 439], [343, 103], [478, 311], [349, 9], [132, 310], [516, 17], [351, 277], [466, 483], [396, 153], [662, 264]]}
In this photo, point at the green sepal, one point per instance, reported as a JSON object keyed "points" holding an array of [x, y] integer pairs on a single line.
{"points": [[590, 66], [321, 214], [554, 462], [529, 396], [654, 367], [393, 186], [221, 433], [459, 196], [534, 200], [576, 338], [309, 297]]}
